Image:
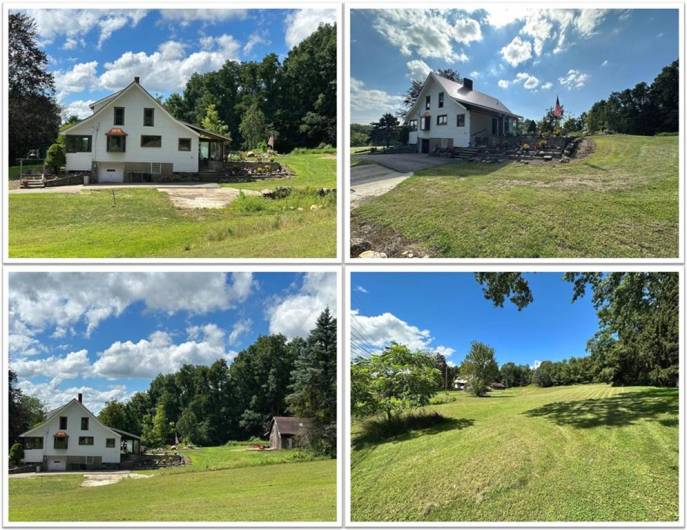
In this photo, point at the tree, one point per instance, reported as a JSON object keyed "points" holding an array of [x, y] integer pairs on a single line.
{"points": [[158, 430], [34, 117], [253, 128], [114, 414], [531, 127], [24, 411], [497, 286], [544, 374], [393, 381], [480, 368], [16, 454], [55, 159], [360, 135], [313, 386], [212, 121], [385, 129]]}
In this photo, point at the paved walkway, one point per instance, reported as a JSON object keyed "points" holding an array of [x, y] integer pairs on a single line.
{"points": [[405, 162]]}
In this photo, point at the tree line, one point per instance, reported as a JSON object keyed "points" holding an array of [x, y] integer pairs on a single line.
{"points": [[210, 405], [294, 100]]}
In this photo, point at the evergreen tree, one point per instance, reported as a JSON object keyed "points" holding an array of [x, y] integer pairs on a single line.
{"points": [[212, 121]]}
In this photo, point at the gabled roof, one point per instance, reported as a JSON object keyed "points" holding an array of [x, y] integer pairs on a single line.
{"points": [[291, 424], [467, 97], [112, 98], [56, 411]]}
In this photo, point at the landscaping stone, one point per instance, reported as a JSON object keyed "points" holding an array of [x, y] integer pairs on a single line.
{"points": [[359, 245], [547, 158], [372, 254]]}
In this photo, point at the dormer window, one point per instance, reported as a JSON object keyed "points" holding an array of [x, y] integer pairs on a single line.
{"points": [[427, 102], [148, 117], [119, 115], [441, 100]]}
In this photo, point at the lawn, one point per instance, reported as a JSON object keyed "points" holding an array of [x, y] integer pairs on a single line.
{"points": [[144, 222], [576, 453], [241, 488], [619, 202]]}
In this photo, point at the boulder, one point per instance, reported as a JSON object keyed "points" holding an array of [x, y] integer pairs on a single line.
{"points": [[547, 158], [359, 245], [372, 254]]}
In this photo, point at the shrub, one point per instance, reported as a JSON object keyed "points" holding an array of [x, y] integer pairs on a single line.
{"points": [[477, 387], [16, 454], [55, 158]]}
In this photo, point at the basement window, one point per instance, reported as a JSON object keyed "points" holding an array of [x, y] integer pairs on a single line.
{"points": [[184, 144], [442, 119], [119, 115], [148, 117], [460, 122], [151, 141], [84, 424], [109, 442], [85, 440]]}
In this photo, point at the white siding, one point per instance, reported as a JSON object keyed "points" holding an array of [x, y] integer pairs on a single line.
{"points": [[459, 135], [74, 412], [134, 101]]}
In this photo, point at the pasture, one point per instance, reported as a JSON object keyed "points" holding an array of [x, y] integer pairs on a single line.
{"points": [[569, 453]]}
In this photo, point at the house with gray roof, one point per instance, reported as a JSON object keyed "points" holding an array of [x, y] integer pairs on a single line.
{"points": [[449, 114]]}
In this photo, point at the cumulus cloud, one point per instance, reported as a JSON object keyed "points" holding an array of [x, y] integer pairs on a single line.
{"points": [[160, 354], [517, 51], [254, 40], [418, 70], [574, 79], [368, 104], [295, 315], [375, 332], [82, 76], [184, 17], [74, 364], [528, 81], [547, 85], [75, 24], [53, 396], [427, 33], [304, 22], [241, 327], [79, 108], [59, 301], [504, 83]]}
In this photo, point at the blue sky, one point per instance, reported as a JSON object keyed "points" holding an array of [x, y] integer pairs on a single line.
{"points": [[445, 312], [108, 334], [524, 57], [94, 52]]}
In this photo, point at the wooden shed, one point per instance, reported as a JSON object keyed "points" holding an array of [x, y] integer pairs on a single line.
{"points": [[285, 429]]}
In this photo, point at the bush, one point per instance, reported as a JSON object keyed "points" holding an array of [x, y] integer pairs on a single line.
{"points": [[16, 454], [477, 387], [55, 158]]}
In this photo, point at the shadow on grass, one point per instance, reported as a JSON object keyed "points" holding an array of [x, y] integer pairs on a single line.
{"points": [[406, 427], [617, 411]]}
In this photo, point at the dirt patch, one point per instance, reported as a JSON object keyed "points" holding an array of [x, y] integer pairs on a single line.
{"points": [[195, 198], [367, 190], [586, 148], [385, 240], [93, 480]]}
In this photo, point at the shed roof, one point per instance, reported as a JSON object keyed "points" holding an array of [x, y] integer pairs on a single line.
{"points": [[291, 424], [125, 434]]}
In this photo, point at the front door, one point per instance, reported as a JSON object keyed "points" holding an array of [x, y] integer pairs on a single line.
{"points": [[425, 145]]}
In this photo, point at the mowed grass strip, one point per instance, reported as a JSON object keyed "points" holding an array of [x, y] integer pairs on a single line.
{"points": [[577, 453], [296, 492], [619, 202], [145, 223]]}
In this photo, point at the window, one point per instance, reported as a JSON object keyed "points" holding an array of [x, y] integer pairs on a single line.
{"points": [[412, 125], [426, 122], [116, 144], [148, 117], [85, 440], [63, 423], [119, 115], [109, 442], [61, 442], [460, 122], [151, 141], [184, 144], [84, 424], [441, 100], [427, 101], [442, 119], [33, 442], [78, 144]]}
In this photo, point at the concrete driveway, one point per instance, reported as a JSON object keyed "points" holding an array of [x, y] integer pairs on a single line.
{"points": [[405, 162], [372, 180]]}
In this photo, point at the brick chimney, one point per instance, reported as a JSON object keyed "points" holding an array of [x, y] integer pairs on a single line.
{"points": [[467, 83], [79, 396], [137, 80]]}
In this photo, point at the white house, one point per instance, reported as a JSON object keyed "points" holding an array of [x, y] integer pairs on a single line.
{"points": [[131, 137], [72, 438], [449, 114]]}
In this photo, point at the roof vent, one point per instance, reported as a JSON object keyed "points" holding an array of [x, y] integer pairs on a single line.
{"points": [[137, 80], [467, 83]]}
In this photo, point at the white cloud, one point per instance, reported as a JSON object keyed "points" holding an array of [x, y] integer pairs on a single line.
{"points": [[304, 22], [59, 301], [59, 368], [369, 104], [184, 17], [80, 108], [547, 85], [605, 63], [504, 16], [588, 20], [573, 79], [446, 351], [241, 327], [295, 315], [82, 77], [539, 28], [535, 365], [370, 333], [528, 81], [517, 51], [75, 24], [361, 289], [475, 74], [160, 354], [428, 33], [418, 69], [504, 83], [254, 40], [52, 396]]}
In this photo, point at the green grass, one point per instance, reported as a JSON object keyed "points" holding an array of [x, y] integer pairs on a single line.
{"points": [[234, 488], [13, 173], [576, 453], [144, 223], [620, 202]]}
